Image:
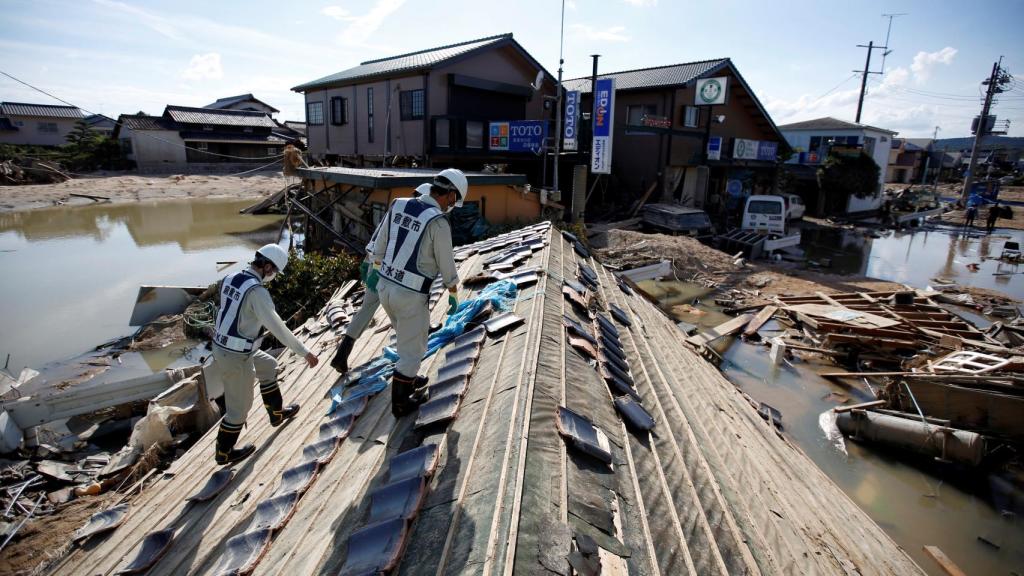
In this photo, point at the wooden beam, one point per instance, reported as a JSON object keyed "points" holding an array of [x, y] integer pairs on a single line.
{"points": [[756, 322], [861, 406], [943, 561], [724, 329]]}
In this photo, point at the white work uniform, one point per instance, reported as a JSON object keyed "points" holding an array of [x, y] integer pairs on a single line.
{"points": [[371, 301], [405, 305], [238, 370]]}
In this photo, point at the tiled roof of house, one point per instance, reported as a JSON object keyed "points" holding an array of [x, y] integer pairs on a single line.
{"points": [[145, 122], [232, 100], [672, 75], [829, 123], [405, 62], [243, 118], [43, 110]]}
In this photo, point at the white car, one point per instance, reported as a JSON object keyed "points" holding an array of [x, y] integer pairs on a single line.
{"points": [[794, 207]]}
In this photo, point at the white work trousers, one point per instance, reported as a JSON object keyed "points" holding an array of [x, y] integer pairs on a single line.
{"points": [[410, 318], [363, 316], [238, 373]]}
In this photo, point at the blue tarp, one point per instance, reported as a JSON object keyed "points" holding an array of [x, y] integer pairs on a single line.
{"points": [[377, 375]]}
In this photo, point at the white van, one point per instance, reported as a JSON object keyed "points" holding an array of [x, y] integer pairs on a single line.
{"points": [[765, 214]]}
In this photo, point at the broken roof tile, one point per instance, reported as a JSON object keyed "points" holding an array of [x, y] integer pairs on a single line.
{"points": [[275, 511], [100, 522], [152, 548], [337, 428], [401, 499], [297, 478], [583, 434], [583, 346], [321, 451], [634, 414], [455, 386], [620, 315], [214, 485], [375, 548], [501, 323], [574, 285], [243, 552], [438, 410], [419, 461]]}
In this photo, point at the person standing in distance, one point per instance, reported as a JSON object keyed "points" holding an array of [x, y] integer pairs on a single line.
{"points": [[245, 308], [413, 246]]}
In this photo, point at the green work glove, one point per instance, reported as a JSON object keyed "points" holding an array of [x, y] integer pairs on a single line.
{"points": [[453, 303], [364, 269], [371, 280]]}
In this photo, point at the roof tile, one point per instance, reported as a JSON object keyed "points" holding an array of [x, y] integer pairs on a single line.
{"points": [[45, 110], [672, 75], [188, 115]]}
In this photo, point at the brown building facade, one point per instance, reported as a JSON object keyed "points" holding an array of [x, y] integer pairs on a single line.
{"points": [[433, 106], [660, 136]]}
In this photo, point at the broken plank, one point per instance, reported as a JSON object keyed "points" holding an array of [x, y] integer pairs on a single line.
{"points": [[873, 341], [724, 329], [828, 298], [759, 320], [943, 561], [861, 406]]}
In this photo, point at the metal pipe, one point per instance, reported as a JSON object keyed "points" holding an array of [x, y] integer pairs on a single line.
{"points": [[23, 520], [958, 446]]}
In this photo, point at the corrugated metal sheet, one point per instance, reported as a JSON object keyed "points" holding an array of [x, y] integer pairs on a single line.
{"points": [[186, 115], [651, 77], [44, 110], [404, 62]]}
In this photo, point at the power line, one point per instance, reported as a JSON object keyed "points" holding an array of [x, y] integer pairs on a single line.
{"points": [[836, 87], [144, 133]]}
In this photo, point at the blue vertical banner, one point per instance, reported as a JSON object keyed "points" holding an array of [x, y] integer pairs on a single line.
{"points": [[603, 118], [572, 114]]}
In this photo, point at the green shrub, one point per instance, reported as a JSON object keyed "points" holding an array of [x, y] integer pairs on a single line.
{"points": [[308, 282]]}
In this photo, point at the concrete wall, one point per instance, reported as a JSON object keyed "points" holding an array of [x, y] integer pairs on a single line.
{"points": [[28, 131], [156, 150]]}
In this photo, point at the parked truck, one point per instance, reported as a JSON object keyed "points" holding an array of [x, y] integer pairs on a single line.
{"points": [[764, 228]]}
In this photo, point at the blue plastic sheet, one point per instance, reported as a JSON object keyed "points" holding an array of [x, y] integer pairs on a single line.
{"points": [[376, 377], [501, 295]]}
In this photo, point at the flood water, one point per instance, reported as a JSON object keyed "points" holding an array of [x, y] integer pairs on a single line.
{"points": [[916, 501], [915, 258], [71, 275]]}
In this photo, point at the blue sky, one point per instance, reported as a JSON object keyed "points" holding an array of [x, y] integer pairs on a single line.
{"points": [[122, 56]]}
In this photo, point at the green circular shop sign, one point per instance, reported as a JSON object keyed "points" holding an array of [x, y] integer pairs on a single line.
{"points": [[710, 91]]}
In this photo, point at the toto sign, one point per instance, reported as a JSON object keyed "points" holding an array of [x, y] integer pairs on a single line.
{"points": [[518, 135], [572, 112]]}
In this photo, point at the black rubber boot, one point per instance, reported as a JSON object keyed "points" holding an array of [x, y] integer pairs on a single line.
{"points": [[227, 435], [420, 392], [401, 388], [273, 402], [340, 360]]}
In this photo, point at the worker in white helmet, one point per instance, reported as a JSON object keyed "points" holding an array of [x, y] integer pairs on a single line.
{"points": [[413, 246], [370, 303], [245, 308]]}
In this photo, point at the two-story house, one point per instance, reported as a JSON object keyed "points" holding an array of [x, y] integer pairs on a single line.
{"points": [[37, 124], [433, 105], [244, 102], [660, 136], [813, 140]]}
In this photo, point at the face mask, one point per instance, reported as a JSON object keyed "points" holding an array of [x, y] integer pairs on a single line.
{"points": [[269, 276]]}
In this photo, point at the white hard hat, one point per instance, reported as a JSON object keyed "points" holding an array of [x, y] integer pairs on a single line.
{"points": [[275, 254], [453, 177], [421, 190]]}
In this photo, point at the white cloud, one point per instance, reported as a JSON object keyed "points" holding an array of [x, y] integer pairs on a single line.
{"points": [[587, 32], [925, 62], [156, 23], [361, 28], [337, 12], [895, 77], [204, 67], [642, 2]]}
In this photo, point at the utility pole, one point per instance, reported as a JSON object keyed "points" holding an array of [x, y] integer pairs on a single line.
{"points": [[558, 102], [864, 78], [928, 158], [995, 82], [593, 96]]}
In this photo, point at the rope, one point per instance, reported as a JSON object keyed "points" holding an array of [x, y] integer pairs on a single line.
{"points": [[200, 317], [119, 123]]}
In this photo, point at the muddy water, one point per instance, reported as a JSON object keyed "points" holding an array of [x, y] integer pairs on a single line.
{"points": [[71, 275], [916, 501], [915, 258]]}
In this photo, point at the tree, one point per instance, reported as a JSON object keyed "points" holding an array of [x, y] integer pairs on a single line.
{"points": [[82, 137], [842, 176]]}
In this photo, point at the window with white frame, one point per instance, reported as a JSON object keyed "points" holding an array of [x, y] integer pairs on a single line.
{"points": [[47, 127], [691, 116], [411, 104]]}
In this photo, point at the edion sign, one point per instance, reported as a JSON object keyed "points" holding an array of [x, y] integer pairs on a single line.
{"points": [[604, 112]]}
